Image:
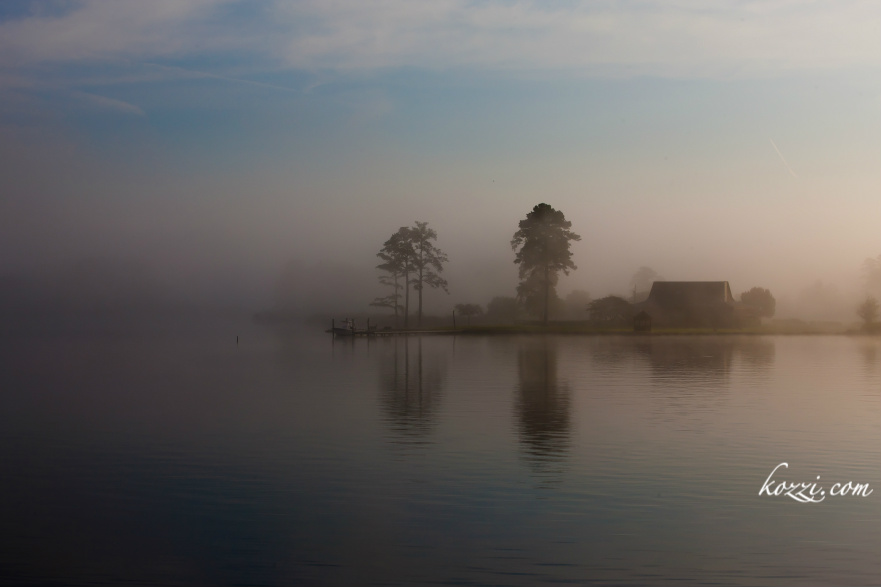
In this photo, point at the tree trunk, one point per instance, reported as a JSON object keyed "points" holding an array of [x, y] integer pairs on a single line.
{"points": [[419, 319], [421, 267], [395, 300], [406, 300], [547, 292]]}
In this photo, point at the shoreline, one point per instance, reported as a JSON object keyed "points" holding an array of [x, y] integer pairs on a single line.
{"points": [[541, 331], [517, 331]]}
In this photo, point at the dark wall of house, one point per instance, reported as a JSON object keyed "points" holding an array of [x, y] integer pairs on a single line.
{"points": [[701, 304]]}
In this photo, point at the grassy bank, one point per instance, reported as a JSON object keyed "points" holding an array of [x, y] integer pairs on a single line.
{"points": [[787, 328]]}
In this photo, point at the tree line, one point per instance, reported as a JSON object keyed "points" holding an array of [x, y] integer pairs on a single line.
{"points": [[411, 261], [868, 310]]}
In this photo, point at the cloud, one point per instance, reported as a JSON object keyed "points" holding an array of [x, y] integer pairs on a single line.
{"points": [[655, 37], [106, 29], [108, 103], [194, 74]]}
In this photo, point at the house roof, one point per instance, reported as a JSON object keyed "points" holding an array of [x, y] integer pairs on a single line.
{"points": [[689, 293]]}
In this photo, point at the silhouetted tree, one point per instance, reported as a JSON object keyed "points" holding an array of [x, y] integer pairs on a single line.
{"points": [[398, 255], [391, 277], [390, 301], [531, 293], [611, 311], [469, 310], [868, 312], [761, 300], [428, 261], [543, 239]]}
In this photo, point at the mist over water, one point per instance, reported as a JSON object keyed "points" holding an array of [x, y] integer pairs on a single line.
{"points": [[299, 224], [417, 460], [193, 192]]}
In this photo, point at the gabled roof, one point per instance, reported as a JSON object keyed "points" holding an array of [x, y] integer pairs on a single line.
{"points": [[689, 293]]}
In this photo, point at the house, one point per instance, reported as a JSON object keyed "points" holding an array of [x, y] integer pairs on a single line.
{"points": [[702, 304]]}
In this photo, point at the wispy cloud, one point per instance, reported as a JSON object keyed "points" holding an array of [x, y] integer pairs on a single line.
{"points": [[109, 29], [194, 74], [657, 37], [782, 158], [108, 103], [665, 38]]}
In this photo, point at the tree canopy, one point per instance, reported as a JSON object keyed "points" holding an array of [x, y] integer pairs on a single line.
{"points": [[542, 252], [868, 311], [469, 310], [611, 311], [397, 255], [410, 258], [760, 300], [428, 262]]}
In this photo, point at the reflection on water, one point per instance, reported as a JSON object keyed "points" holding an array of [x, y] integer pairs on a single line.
{"points": [[757, 354], [542, 405], [691, 378], [705, 358], [869, 352], [289, 460], [687, 357], [410, 388]]}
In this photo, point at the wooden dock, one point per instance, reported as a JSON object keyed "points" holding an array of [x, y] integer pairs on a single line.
{"points": [[349, 330]]}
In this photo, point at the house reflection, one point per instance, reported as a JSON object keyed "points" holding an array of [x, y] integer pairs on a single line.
{"points": [[410, 388], [692, 375], [690, 357], [706, 358], [542, 407]]}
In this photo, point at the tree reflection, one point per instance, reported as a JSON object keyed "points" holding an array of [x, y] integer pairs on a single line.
{"points": [[411, 389], [542, 406]]}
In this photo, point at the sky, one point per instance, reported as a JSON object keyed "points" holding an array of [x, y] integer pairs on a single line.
{"points": [[247, 151]]}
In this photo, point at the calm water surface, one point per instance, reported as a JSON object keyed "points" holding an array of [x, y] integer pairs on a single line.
{"points": [[182, 459]]}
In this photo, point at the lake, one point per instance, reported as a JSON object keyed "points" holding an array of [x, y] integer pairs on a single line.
{"points": [[176, 457]]}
